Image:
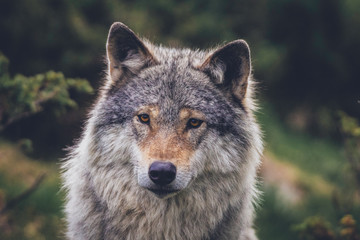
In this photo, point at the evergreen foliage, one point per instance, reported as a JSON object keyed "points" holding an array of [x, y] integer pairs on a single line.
{"points": [[22, 96]]}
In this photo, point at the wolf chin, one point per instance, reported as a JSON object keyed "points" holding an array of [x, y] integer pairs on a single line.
{"points": [[171, 147]]}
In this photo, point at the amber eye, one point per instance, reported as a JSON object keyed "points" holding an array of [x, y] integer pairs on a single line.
{"points": [[194, 123], [144, 118]]}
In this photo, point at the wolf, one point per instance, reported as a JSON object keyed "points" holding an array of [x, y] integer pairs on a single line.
{"points": [[170, 149]]}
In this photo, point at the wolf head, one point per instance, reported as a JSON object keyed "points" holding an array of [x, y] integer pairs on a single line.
{"points": [[172, 116]]}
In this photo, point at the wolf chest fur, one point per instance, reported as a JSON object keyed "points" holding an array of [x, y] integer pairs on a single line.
{"points": [[171, 147]]}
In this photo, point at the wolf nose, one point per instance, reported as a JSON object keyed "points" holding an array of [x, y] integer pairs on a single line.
{"points": [[162, 173]]}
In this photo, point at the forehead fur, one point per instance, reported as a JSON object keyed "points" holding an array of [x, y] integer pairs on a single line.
{"points": [[181, 57]]}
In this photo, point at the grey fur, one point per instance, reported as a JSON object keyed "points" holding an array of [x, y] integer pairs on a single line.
{"points": [[105, 174]]}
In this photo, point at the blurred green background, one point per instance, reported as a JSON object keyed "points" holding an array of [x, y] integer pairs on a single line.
{"points": [[305, 57]]}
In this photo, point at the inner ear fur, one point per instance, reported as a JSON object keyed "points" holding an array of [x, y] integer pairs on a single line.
{"points": [[229, 67], [126, 53]]}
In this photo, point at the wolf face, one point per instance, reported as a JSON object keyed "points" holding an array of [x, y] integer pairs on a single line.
{"points": [[170, 107], [171, 147]]}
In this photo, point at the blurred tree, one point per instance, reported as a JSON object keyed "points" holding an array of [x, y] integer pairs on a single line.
{"points": [[23, 96], [70, 35], [318, 68]]}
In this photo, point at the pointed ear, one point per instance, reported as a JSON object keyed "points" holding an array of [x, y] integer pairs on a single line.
{"points": [[126, 53], [229, 67]]}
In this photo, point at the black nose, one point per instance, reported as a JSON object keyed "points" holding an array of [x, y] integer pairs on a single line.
{"points": [[162, 173]]}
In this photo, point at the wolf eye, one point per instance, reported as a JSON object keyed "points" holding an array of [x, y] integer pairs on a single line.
{"points": [[194, 123], [144, 118]]}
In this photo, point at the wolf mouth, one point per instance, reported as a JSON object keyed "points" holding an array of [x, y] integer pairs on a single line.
{"points": [[161, 193]]}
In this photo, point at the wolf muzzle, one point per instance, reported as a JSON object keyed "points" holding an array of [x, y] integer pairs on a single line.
{"points": [[162, 173]]}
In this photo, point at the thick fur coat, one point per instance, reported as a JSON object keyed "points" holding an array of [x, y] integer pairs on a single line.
{"points": [[187, 113]]}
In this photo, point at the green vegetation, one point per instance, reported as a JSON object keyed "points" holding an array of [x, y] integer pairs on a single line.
{"points": [[31, 211], [318, 228], [38, 215], [325, 175], [305, 57], [305, 151], [23, 96]]}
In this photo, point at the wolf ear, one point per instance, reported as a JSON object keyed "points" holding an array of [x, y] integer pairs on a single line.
{"points": [[126, 53], [229, 67]]}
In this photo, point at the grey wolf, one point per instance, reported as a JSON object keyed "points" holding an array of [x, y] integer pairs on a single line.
{"points": [[171, 147]]}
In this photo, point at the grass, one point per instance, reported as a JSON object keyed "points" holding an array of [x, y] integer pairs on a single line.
{"points": [[274, 221], [313, 155], [317, 168], [39, 215]]}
